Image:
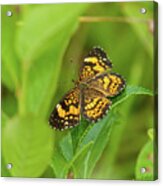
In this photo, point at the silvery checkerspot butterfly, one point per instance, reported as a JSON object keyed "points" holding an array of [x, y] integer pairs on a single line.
{"points": [[90, 96]]}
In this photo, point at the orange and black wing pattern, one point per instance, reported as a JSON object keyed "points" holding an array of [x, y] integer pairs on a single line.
{"points": [[92, 94], [94, 105], [66, 114], [110, 84], [96, 62]]}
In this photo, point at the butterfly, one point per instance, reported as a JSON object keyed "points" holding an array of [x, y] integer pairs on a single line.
{"points": [[91, 94]]}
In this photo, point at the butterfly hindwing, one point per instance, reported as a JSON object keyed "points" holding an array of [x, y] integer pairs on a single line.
{"points": [[95, 62], [67, 113], [94, 104], [109, 84]]}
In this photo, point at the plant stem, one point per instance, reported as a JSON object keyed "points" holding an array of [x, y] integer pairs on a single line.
{"points": [[91, 19]]}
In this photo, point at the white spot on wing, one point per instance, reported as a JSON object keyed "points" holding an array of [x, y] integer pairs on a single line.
{"points": [[58, 105]]}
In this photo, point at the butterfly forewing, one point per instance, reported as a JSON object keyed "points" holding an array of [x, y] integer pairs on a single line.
{"points": [[95, 62]]}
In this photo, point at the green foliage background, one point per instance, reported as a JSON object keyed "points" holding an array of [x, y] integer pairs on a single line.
{"points": [[42, 49]]}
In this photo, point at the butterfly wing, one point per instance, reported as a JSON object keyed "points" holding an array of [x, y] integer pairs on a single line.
{"points": [[96, 62], [90, 100], [94, 104], [109, 84], [67, 113]]}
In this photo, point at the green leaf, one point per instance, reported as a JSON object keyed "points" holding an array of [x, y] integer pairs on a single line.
{"points": [[42, 60], [59, 164], [80, 161], [64, 158], [99, 135], [74, 160], [79, 132], [146, 161], [129, 91], [40, 33], [27, 144], [67, 147], [10, 62]]}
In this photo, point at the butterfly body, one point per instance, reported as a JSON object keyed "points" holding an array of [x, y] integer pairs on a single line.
{"points": [[90, 97]]}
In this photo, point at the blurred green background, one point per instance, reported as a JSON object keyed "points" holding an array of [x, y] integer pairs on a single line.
{"points": [[43, 47]]}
